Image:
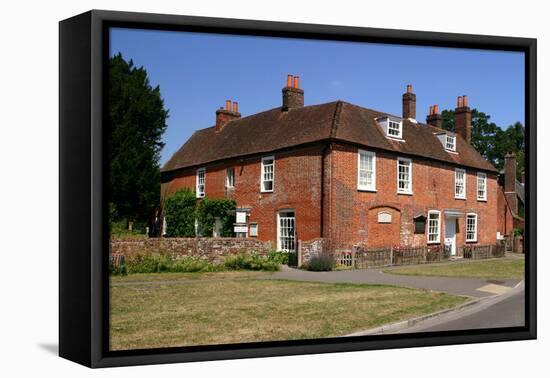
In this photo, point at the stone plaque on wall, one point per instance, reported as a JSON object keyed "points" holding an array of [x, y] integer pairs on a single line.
{"points": [[384, 217]]}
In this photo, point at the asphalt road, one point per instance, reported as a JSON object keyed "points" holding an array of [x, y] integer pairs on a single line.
{"points": [[506, 312]]}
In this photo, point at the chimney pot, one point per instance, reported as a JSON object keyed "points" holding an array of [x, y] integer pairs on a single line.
{"points": [[293, 96], [459, 102], [224, 115], [465, 100], [409, 88], [289, 80], [434, 118]]}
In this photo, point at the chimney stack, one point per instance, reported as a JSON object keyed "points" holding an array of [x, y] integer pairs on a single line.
{"points": [[434, 118], [463, 119], [293, 96], [409, 103], [227, 114], [510, 181]]}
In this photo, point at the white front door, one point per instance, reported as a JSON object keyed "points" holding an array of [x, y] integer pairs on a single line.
{"points": [[450, 234], [286, 231]]}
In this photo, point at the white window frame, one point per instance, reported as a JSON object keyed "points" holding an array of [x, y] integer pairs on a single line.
{"points": [[461, 195], [200, 193], [450, 146], [482, 178], [399, 129], [230, 178], [430, 213], [366, 186], [410, 164], [474, 216], [262, 174], [253, 230]]}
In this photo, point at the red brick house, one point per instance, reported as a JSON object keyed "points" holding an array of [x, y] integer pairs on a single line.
{"points": [[511, 202], [343, 172]]}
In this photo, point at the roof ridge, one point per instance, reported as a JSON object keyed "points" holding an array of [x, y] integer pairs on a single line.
{"points": [[336, 118]]}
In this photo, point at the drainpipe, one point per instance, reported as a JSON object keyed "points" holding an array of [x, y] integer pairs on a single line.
{"points": [[322, 207]]}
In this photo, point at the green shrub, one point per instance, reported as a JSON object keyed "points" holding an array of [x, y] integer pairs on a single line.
{"points": [[160, 263], [244, 261], [119, 229], [321, 262], [278, 257], [210, 209], [179, 211], [119, 270]]}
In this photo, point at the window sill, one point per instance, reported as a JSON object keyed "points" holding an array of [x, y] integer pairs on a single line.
{"points": [[434, 242], [366, 190], [266, 191], [482, 200], [471, 241], [461, 198], [406, 193]]}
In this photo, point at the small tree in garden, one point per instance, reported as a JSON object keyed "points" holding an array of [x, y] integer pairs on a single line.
{"points": [[210, 209], [179, 211]]}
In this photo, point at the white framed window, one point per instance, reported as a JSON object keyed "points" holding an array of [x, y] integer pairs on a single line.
{"points": [[395, 129], [481, 186], [471, 227], [230, 178], [253, 229], [201, 182], [460, 183], [404, 176], [268, 174], [450, 142], [434, 226], [366, 170]]}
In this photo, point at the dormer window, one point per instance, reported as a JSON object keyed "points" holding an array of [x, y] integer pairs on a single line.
{"points": [[448, 140], [392, 126]]}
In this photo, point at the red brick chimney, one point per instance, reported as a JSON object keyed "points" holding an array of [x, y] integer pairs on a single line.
{"points": [[293, 96], [409, 103], [463, 119], [229, 113], [434, 118], [510, 181]]}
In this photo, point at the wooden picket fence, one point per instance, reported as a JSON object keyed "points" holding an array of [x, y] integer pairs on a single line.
{"points": [[363, 258]]}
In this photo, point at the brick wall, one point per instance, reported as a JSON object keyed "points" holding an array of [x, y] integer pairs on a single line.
{"points": [[211, 249], [353, 213], [310, 248], [349, 215], [297, 186]]}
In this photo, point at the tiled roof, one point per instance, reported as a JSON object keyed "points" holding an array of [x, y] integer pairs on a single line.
{"points": [[276, 129]]}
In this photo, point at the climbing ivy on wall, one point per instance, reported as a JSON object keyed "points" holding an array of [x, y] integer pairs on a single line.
{"points": [[210, 209]]}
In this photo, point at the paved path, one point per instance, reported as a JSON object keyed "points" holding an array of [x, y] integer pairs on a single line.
{"points": [[507, 310], [451, 285]]}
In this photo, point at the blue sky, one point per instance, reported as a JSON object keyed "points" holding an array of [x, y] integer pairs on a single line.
{"points": [[198, 72]]}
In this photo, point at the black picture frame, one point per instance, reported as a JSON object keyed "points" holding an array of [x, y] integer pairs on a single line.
{"points": [[83, 232]]}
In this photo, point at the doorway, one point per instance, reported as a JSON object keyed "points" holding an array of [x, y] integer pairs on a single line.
{"points": [[450, 234], [286, 231]]}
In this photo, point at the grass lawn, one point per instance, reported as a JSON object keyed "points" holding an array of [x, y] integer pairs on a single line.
{"points": [[489, 269], [216, 309]]}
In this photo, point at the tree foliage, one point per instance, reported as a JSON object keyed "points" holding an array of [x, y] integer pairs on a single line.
{"points": [[491, 141], [179, 210], [137, 119], [210, 209]]}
